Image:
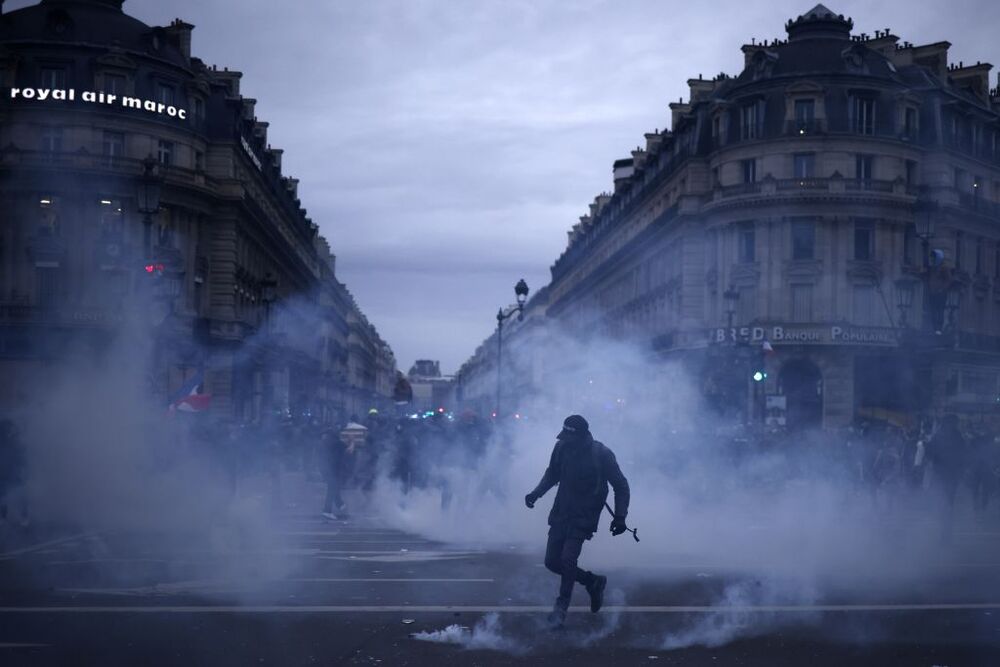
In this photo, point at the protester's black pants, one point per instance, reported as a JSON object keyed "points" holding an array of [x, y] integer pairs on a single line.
{"points": [[332, 499], [561, 554]]}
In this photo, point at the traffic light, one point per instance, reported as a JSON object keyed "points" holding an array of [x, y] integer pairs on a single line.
{"points": [[758, 370]]}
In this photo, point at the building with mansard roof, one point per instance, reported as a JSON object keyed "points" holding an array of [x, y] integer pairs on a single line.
{"points": [[839, 198], [150, 165]]}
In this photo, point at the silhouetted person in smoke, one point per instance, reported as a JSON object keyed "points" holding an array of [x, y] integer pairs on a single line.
{"points": [[11, 472], [949, 455], [583, 468], [331, 462]]}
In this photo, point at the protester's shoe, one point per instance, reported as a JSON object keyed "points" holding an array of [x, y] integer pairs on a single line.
{"points": [[330, 516], [557, 617], [596, 591]]}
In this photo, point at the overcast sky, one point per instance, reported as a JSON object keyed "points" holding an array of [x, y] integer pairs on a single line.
{"points": [[445, 147]]}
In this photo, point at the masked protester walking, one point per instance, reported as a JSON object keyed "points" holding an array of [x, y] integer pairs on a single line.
{"points": [[583, 468]]}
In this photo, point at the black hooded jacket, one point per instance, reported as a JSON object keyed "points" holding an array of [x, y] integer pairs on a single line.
{"points": [[583, 468]]}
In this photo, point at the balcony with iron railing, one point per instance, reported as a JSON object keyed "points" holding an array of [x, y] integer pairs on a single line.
{"points": [[809, 186], [83, 160]]}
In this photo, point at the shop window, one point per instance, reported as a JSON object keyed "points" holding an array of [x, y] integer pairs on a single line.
{"points": [[803, 239], [864, 239], [48, 216], [47, 285], [112, 218]]}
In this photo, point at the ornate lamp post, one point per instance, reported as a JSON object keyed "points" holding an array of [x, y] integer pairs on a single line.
{"points": [[904, 299], [521, 292], [732, 297], [147, 198]]}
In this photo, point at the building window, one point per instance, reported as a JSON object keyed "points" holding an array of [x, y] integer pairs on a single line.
{"points": [[747, 236], [864, 239], [749, 170], [977, 185], [863, 115], [198, 107], [165, 152], [911, 172], [910, 123], [52, 139], [866, 304], [48, 219], [750, 121], [910, 245], [112, 219], [864, 167], [805, 111], [980, 255], [746, 306], [47, 285], [53, 77], [803, 239], [801, 303], [199, 161], [959, 242], [716, 127], [114, 84], [804, 165], [113, 146], [959, 177], [165, 94]]}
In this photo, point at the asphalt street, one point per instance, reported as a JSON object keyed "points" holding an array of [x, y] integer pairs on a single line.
{"points": [[355, 592]]}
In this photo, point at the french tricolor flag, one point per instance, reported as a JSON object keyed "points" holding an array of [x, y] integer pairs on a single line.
{"points": [[768, 349], [189, 398]]}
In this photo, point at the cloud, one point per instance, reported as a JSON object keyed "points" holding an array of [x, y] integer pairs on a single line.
{"points": [[425, 130]]}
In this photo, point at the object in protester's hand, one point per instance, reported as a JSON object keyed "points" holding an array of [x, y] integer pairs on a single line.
{"points": [[529, 500]]}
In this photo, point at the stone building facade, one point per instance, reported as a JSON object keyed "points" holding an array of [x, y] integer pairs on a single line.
{"points": [[97, 110], [838, 198]]}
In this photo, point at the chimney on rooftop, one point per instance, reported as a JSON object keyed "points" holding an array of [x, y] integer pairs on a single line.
{"points": [[181, 32]]}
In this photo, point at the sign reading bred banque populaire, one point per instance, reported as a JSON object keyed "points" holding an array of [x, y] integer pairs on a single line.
{"points": [[799, 334], [95, 97]]}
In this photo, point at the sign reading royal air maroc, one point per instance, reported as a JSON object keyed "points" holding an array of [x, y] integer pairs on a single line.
{"points": [[94, 97], [805, 334]]}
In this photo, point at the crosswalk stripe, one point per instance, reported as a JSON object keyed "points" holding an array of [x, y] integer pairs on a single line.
{"points": [[477, 609]]}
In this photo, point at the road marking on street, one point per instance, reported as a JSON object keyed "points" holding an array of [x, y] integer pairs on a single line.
{"points": [[43, 545], [485, 609], [410, 580]]}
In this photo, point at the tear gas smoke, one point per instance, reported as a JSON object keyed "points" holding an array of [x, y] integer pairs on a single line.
{"points": [[761, 513]]}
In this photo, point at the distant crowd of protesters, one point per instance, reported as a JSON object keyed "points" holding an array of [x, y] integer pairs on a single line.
{"points": [[944, 458]]}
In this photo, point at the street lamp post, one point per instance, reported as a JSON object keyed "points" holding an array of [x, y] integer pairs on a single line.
{"points": [[148, 200], [732, 297], [521, 292]]}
